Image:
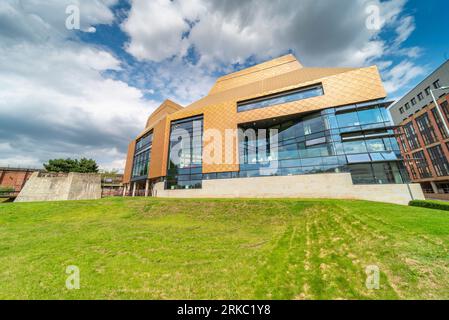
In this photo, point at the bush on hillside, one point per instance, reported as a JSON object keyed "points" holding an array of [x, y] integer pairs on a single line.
{"points": [[430, 204]]}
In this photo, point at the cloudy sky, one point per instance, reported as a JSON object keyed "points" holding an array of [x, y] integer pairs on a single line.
{"points": [[69, 92]]}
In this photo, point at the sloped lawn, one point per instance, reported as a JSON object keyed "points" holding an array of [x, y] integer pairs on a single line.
{"points": [[222, 249]]}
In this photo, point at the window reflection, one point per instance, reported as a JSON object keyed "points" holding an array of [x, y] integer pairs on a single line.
{"points": [[185, 154], [142, 157], [313, 144], [299, 94], [369, 116], [348, 119]]}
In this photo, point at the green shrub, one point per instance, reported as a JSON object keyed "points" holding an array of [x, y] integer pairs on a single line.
{"points": [[439, 205], [6, 190]]}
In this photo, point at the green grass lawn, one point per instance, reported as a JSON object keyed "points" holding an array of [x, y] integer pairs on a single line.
{"points": [[222, 249]]}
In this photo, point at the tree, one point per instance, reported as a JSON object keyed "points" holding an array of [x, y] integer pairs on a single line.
{"points": [[72, 165], [87, 166], [109, 173], [110, 176], [61, 165]]}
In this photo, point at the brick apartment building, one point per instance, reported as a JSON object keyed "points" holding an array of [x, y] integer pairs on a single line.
{"points": [[423, 138]]}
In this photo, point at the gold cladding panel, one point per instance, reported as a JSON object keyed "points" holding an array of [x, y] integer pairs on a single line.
{"points": [[157, 150], [129, 162], [255, 76], [280, 83]]}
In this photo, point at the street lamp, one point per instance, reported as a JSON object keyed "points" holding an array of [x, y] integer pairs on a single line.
{"points": [[440, 113]]}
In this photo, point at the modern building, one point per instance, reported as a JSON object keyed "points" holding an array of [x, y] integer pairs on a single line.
{"points": [[276, 129], [422, 132]]}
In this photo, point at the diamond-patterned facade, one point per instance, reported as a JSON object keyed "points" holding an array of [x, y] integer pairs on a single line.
{"points": [[342, 86]]}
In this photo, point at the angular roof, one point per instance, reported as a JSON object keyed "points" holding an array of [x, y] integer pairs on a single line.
{"points": [[167, 107], [255, 73], [268, 76]]}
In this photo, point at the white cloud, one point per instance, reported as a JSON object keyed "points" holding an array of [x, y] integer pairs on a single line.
{"points": [[405, 29], [44, 20], [157, 28], [400, 75], [20, 162], [319, 32], [180, 81], [54, 98]]}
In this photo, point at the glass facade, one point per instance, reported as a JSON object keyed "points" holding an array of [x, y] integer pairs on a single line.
{"points": [[378, 173], [185, 154], [142, 157], [285, 97], [355, 139]]}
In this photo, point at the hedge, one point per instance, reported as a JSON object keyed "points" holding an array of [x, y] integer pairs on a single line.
{"points": [[6, 190], [430, 204]]}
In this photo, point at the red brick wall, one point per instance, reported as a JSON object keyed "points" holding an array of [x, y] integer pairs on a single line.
{"points": [[14, 178]]}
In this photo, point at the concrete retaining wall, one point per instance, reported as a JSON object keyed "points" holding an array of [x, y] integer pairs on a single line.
{"points": [[57, 187], [332, 186]]}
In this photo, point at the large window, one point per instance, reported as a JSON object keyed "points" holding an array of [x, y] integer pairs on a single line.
{"points": [[426, 129], [284, 97], [437, 84], [411, 167], [144, 142], [411, 136], [313, 124], [389, 173], [185, 154], [439, 122], [439, 161], [402, 140], [422, 165], [444, 105], [348, 119], [362, 117], [362, 173], [329, 141], [353, 147], [378, 173], [142, 157]]}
